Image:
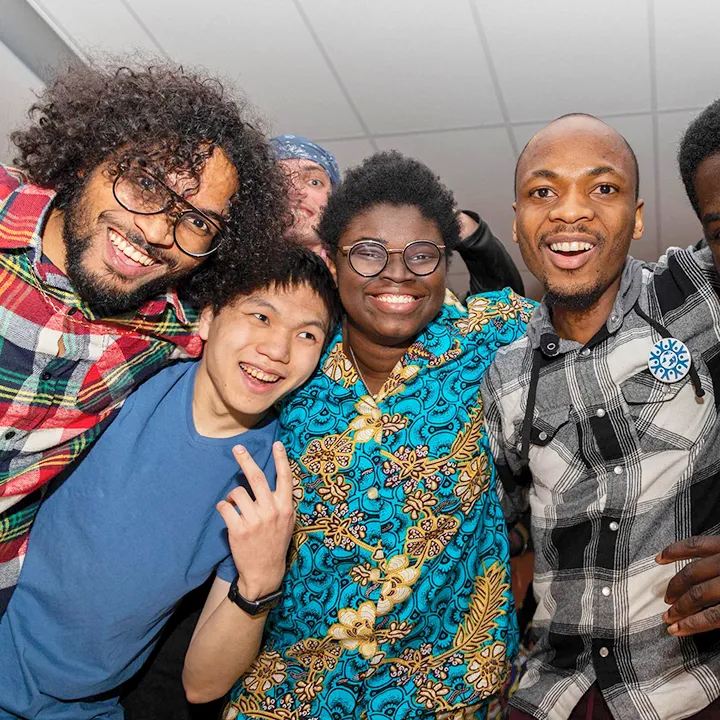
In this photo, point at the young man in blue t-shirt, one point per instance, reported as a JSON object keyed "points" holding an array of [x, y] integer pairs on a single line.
{"points": [[136, 518]]}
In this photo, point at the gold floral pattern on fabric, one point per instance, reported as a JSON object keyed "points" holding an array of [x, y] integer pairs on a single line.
{"points": [[397, 601]]}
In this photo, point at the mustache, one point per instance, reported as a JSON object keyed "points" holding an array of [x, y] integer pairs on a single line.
{"points": [[137, 239], [578, 229]]}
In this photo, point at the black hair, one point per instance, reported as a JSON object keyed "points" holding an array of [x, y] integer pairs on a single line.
{"points": [[285, 267], [168, 118], [699, 141], [393, 179], [633, 157]]}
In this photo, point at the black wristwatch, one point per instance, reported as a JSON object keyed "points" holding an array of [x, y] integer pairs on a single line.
{"points": [[254, 607]]}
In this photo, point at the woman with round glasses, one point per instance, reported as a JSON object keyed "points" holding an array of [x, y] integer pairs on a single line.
{"points": [[397, 600]]}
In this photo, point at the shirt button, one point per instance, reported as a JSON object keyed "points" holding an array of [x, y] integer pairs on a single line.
{"points": [[10, 434], [600, 412], [614, 318], [585, 352], [543, 435], [519, 447], [46, 376], [605, 591], [614, 526], [617, 470], [373, 493], [604, 652]]}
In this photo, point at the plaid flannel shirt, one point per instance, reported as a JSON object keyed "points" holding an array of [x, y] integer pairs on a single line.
{"points": [[64, 372], [622, 465]]}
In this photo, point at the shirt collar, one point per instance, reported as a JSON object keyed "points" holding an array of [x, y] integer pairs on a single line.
{"points": [[22, 226], [540, 330]]}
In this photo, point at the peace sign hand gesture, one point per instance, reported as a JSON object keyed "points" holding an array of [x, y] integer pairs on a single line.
{"points": [[259, 530]]}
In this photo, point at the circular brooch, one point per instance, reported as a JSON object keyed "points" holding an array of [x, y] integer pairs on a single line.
{"points": [[669, 360]]}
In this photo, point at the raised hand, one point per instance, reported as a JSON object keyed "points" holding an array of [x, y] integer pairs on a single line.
{"points": [[259, 531]]}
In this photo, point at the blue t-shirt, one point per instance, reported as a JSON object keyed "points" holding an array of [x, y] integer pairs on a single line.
{"points": [[115, 547]]}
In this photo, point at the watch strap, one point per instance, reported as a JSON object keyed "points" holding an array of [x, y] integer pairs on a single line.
{"points": [[254, 607]]}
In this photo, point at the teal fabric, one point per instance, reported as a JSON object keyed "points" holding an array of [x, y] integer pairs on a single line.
{"points": [[397, 602]]}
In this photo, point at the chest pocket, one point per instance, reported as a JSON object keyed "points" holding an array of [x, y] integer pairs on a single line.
{"points": [[553, 439], [667, 416]]}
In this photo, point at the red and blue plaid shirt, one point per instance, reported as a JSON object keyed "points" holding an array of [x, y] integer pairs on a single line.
{"points": [[64, 372]]}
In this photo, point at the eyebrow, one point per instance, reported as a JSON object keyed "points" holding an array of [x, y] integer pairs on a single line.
{"points": [[548, 174], [593, 172], [603, 170], [709, 218], [371, 239], [262, 302], [212, 214]]}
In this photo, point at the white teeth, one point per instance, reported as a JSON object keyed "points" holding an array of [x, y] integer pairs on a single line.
{"points": [[396, 299], [130, 250], [570, 246], [259, 374]]}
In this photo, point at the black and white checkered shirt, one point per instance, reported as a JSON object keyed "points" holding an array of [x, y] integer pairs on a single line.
{"points": [[622, 465]]}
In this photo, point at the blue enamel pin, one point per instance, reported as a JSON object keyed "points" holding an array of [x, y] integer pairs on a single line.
{"points": [[669, 360]]}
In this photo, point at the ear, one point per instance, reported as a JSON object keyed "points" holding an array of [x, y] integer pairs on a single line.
{"points": [[639, 223], [206, 320], [515, 239]]}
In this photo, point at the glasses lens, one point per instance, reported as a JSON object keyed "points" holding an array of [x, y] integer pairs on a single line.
{"points": [[368, 258], [422, 257], [141, 193], [195, 234]]}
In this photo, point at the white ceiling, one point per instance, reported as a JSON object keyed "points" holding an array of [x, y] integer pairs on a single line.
{"points": [[459, 84]]}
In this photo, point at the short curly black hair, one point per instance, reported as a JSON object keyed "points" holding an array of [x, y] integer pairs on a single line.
{"points": [[393, 179], [170, 119], [699, 141]]}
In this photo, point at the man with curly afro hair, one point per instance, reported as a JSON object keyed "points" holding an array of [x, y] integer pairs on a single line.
{"points": [[131, 187]]}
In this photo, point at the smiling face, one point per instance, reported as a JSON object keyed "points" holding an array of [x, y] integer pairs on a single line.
{"points": [[309, 192], [576, 211], [258, 349], [117, 258], [393, 307]]}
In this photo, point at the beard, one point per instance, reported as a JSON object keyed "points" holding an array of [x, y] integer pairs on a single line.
{"points": [[580, 298], [98, 291]]}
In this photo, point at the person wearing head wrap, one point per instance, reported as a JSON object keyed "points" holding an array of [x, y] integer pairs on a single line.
{"points": [[313, 172]]}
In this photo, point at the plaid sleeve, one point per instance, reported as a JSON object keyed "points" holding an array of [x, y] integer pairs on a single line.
{"points": [[513, 495]]}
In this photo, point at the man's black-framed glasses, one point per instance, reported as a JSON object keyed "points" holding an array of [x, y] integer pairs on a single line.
{"points": [[142, 193], [369, 257]]}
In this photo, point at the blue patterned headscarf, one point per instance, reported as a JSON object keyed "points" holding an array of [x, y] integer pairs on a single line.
{"points": [[288, 147]]}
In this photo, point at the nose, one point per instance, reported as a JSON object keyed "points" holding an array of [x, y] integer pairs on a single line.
{"points": [[276, 348], [572, 207], [396, 270], [298, 190], [157, 229]]}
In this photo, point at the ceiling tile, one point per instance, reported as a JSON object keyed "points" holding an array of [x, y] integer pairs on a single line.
{"points": [[408, 64], [687, 52], [562, 56], [265, 49], [98, 27], [17, 88], [476, 164], [680, 226]]}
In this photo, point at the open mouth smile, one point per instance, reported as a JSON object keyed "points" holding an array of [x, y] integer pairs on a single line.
{"points": [[259, 375], [130, 251], [395, 302]]}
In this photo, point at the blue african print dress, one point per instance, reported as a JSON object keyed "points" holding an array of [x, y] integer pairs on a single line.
{"points": [[397, 601]]}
